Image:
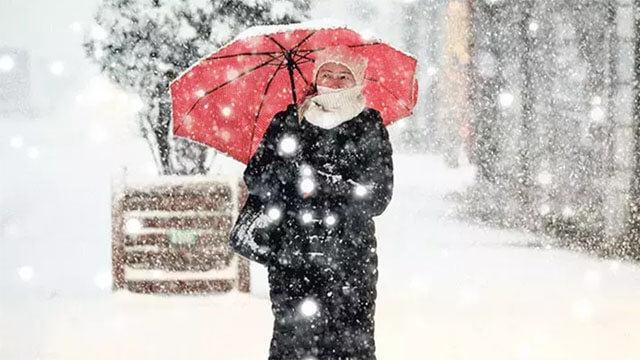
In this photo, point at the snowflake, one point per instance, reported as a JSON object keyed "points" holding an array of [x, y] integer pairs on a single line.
{"points": [[360, 190], [330, 219], [307, 185], [288, 145], [274, 213], [25, 273], [309, 307]]}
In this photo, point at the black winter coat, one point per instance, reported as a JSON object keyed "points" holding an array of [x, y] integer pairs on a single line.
{"points": [[322, 260]]}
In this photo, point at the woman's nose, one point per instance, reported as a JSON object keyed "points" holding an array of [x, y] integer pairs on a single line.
{"points": [[335, 83]]}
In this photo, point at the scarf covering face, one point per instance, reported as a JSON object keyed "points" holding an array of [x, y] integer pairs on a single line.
{"points": [[332, 107]]}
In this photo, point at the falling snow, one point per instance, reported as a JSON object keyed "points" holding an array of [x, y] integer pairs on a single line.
{"points": [[506, 216]]}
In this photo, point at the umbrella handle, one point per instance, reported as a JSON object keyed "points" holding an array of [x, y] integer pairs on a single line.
{"points": [[289, 60]]}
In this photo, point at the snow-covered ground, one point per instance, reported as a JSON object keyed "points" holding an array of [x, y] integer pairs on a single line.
{"points": [[447, 290]]}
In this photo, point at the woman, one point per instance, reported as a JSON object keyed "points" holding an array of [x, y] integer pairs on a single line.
{"points": [[324, 171]]}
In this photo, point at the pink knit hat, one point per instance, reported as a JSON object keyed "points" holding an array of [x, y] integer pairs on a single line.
{"points": [[343, 55]]}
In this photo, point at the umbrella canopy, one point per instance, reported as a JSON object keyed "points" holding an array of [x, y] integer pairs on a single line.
{"points": [[227, 99]]}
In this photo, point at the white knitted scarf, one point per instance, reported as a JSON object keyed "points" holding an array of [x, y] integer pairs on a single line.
{"points": [[332, 107]]}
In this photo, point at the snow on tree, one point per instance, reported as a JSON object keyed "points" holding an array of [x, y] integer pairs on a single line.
{"points": [[142, 45], [423, 34], [630, 24], [453, 115], [545, 125]]}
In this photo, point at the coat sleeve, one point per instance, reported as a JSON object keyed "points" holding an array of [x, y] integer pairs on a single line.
{"points": [[369, 192], [266, 173]]}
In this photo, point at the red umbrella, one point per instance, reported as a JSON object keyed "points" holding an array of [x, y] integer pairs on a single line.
{"points": [[227, 99]]}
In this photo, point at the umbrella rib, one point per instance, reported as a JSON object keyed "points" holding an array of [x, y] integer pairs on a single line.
{"points": [[365, 44], [305, 61], [277, 43], [231, 80], [295, 48], [400, 101], [295, 65], [309, 51], [266, 89], [272, 53], [305, 57], [268, 86], [262, 53]]}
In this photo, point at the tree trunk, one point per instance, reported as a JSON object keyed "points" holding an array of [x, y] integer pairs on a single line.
{"points": [[524, 177], [161, 131], [173, 156], [633, 226]]}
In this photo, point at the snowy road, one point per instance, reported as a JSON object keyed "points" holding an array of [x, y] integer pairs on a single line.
{"points": [[447, 291]]}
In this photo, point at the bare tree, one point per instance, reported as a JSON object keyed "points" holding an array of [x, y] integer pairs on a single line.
{"points": [[142, 45]]}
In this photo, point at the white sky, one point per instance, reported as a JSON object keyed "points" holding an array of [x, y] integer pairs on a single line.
{"points": [[42, 26]]}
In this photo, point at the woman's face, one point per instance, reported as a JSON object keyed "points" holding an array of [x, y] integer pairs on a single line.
{"points": [[335, 76]]}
